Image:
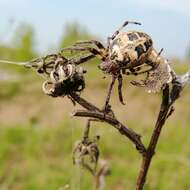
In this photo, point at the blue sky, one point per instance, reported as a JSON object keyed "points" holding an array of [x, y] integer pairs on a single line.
{"points": [[167, 21]]}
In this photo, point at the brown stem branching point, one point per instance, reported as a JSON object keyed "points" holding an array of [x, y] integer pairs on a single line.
{"points": [[96, 113], [134, 137], [169, 96]]}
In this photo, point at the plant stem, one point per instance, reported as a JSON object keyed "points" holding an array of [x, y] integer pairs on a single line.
{"points": [[166, 109]]}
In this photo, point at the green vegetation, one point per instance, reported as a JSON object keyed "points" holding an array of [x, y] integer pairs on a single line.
{"points": [[37, 134], [9, 89], [32, 157], [40, 158], [21, 46], [73, 32]]}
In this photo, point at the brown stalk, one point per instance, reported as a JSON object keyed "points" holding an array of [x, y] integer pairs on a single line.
{"points": [[166, 109], [96, 113], [169, 96]]}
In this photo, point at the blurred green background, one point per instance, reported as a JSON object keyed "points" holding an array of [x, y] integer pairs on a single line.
{"points": [[37, 133]]}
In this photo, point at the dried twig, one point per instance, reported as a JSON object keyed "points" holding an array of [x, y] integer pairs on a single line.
{"points": [[129, 133]]}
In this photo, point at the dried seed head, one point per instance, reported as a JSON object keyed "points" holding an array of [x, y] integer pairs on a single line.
{"points": [[86, 153], [64, 80]]}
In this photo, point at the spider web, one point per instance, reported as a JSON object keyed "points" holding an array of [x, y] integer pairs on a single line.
{"points": [[21, 64]]}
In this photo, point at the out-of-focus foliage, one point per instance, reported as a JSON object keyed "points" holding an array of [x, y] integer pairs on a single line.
{"points": [[23, 43], [72, 33], [21, 47], [6, 52], [9, 89]]}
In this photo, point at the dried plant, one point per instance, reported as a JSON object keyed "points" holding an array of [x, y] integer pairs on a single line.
{"points": [[67, 79]]}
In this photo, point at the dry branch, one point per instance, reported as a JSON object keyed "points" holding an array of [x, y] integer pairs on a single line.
{"points": [[169, 96], [166, 109], [124, 130]]}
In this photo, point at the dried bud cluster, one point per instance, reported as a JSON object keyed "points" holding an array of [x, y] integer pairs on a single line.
{"points": [[87, 148], [64, 77]]}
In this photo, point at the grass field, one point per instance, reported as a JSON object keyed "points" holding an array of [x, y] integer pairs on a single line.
{"points": [[37, 135]]}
